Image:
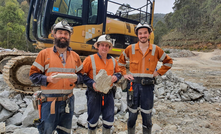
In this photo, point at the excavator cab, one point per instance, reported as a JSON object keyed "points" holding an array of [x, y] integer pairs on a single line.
{"points": [[89, 19]]}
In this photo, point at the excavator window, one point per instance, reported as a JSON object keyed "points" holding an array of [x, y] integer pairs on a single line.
{"points": [[68, 7], [93, 7]]}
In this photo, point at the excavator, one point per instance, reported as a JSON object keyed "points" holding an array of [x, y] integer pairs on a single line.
{"points": [[89, 19]]}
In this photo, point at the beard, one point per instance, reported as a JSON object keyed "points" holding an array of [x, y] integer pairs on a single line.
{"points": [[143, 41], [61, 44]]}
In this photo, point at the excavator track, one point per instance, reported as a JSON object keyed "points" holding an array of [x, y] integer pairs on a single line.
{"points": [[13, 72]]}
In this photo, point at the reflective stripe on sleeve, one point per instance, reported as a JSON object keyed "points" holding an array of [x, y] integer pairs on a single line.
{"points": [[121, 64], [133, 48], [40, 67], [162, 57], [108, 123], [57, 91], [92, 125], [64, 129], [145, 111], [46, 66], [79, 68], [93, 66], [153, 50], [61, 70], [168, 64], [142, 75], [113, 62], [125, 56]]}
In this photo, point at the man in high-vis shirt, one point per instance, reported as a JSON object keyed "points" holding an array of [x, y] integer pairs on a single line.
{"points": [[143, 58], [57, 99], [97, 102]]}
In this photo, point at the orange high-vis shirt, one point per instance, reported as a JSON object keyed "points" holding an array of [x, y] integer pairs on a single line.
{"points": [[144, 65], [48, 62]]}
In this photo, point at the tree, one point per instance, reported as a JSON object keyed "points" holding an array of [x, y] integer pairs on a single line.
{"points": [[160, 30], [12, 28]]}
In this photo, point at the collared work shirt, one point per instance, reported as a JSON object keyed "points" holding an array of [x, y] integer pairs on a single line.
{"points": [[144, 65]]}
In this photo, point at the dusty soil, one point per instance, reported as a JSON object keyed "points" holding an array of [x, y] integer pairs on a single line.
{"points": [[201, 68], [186, 117]]}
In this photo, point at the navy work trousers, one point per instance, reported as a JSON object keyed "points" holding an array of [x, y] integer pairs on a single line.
{"points": [[143, 101], [60, 121], [95, 109]]}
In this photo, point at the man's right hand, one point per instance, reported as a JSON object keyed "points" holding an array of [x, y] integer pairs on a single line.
{"points": [[129, 77], [94, 87], [51, 79]]}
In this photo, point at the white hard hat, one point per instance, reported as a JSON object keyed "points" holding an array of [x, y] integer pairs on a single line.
{"points": [[143, 25], [63, 25], [103, 38]]}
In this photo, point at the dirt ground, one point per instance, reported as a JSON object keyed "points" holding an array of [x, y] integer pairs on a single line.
{"points": [[185, 117], [200, 69]]}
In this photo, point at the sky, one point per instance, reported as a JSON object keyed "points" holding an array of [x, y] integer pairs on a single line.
{"points": [[161, 6]]}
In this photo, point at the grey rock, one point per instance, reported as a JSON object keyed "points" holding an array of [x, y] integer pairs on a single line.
{"points": [[28, 99], [207, 96], [11, 128], [118, 105], [22, 110], [118, 93], [195, 95], [126, 117], [183, 87], [30, 130], [80, 105], [9, 105], [123, 106], [23, 105], [161, 91], [18, 102], [155, 127], [5, 114], [82, 120], [18, 97], [115, 110], [196, 86], [103, 81], [5, 94], [15, 119], [74, 122], [29, 115]]}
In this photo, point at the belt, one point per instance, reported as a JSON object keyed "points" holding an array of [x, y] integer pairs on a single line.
{"points": [[54, 99], [144, 81]]}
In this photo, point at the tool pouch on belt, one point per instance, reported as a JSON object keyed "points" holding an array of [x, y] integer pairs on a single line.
{"points": [[130, 98], [35, 99]]}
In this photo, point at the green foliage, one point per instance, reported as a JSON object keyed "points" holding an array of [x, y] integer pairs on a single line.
{"points": [[192, 22], [160, 30], [12, 25]]}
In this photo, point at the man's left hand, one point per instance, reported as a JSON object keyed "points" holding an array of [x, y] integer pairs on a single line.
{"points": [[155, 73], [113, 79]]}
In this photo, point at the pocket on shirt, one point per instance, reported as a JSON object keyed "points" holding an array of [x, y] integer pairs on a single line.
{"points": [[134, 66]]}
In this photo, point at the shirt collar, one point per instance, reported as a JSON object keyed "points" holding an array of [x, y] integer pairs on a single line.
{"points": [[55, 50], [137, 46], [108, 55]]}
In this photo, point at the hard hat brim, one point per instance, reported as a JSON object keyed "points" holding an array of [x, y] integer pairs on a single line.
{"points": [[110, 44]]}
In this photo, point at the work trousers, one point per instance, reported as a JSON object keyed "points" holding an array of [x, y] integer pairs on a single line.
{"points": [[95, 109], [143, 101], [60, 121]]}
